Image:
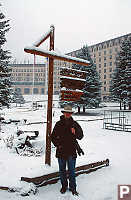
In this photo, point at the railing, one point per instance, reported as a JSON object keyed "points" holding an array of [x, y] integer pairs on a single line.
{"points": [[117, 120]]}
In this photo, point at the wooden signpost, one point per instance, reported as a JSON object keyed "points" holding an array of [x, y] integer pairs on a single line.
{"points": [[51, 54], [72, 82]]}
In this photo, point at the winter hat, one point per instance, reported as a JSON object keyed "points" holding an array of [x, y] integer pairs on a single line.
{"points": [[68, 109]]}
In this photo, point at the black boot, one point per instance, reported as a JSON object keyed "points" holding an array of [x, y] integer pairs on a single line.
{"points": [[63, 190], [74, 192]]}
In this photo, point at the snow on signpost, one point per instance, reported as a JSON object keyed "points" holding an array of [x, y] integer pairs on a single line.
{"points": [[72, 82]]}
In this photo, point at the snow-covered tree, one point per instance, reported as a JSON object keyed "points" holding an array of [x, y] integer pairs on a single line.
{"points": [[92, 90], [121, 82], [18, 98], [4, 61]]}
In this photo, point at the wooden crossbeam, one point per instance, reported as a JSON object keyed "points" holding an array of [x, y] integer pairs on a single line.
{"points": [[55, 55], [54, 177]]}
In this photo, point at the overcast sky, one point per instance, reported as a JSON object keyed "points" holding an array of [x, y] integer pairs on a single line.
{"points": [[77, 22]]}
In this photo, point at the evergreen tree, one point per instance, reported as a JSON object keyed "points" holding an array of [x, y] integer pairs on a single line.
{"points": [[92, 91], [121, 82], [18, 98], [4, 61]]}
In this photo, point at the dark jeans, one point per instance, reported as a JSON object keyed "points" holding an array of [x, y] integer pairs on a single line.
{"points": [[71, 168]]}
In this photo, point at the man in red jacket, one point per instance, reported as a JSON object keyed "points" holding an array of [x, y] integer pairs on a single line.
{"points": [[64, 136]]}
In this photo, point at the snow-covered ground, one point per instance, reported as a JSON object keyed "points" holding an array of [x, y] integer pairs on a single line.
{"points": [[98, 144]]}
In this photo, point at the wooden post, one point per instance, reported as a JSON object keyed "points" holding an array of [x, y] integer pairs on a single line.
{"points": [[50, 98], [35, 50]]}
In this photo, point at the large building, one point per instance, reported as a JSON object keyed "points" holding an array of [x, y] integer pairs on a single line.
{"points": [[33, 79], [103, 55]]}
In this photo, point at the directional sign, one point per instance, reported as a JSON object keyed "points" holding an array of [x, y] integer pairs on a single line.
{"points": [[72, 81], [67, 95], [73, 73]]}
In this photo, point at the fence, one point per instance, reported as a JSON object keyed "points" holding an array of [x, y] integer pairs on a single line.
{"points": [[119, 120]]}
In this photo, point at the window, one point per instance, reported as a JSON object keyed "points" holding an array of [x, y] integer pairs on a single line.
{"points": [[110, 57], [104, 82], [104, 76], [18, 89], [107, 45], [35, 90], [104, 70], [104, 52], [111, 44], [110, 70], [110, 63], [56, 92], [99, 53], [104, 64], [26, 91], [104, 58], [99, 65], [105, 89], [99, 59], [42, 90], [110, 51]]}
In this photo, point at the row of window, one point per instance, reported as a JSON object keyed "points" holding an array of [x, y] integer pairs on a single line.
{"points": [[35, 91], [106, 76], [105, 70], [106, 44], [106, 52], [29, 91], [110, 64], [27, 70], [28, 74], [26, 79], [100, 59]]}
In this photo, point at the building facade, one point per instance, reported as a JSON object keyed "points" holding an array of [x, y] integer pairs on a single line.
{"points": [[103, 55], [30, 79]]}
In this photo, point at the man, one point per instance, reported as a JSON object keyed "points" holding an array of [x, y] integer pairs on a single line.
{"points": [[64, 136]]}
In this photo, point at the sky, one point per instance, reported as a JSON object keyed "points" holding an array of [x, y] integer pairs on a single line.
{"points": [[77, 23]]}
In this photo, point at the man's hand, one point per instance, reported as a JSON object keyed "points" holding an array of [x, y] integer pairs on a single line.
{"points": [[73, 131]]}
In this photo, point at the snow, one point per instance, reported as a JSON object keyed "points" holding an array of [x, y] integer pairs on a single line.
{"points": [[98, 144], [43, 37], [57, 55], [76, 90], [74, 70], [72, 78]]}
